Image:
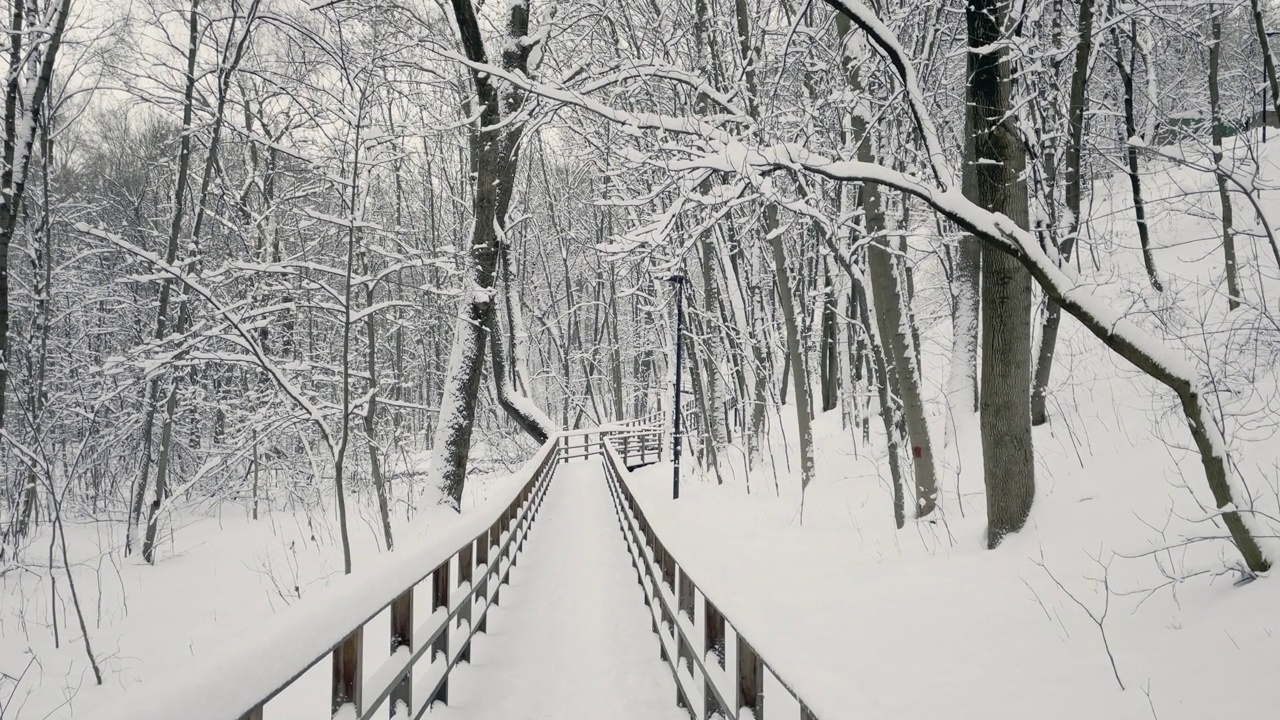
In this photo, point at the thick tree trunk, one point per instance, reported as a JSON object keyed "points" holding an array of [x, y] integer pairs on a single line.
{"points": [[993, 180], [42, 262], [494, 152]]}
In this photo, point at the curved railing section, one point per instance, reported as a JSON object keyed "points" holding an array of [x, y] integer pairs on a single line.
{"points": [[713, 675]]}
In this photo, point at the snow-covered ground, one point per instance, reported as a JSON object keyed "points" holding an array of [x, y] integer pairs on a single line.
{"points": [[1120, 578], [218, 581], [867, 621]]}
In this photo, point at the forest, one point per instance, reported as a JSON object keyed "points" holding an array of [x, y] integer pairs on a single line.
{"points": [[986, 289]]}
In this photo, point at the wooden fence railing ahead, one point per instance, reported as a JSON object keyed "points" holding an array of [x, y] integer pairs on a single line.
{"points": [[459, 610], [717, 671], [461, 586]]}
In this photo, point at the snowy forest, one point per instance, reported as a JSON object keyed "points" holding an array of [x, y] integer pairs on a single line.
{"points": [[960, 319]]}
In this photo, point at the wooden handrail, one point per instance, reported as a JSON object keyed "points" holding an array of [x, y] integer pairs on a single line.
{"points": [[395, 676], [238, 683], [671, 596]]}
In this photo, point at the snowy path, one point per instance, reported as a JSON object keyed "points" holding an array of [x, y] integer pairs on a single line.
{"points": [[571, 638]]}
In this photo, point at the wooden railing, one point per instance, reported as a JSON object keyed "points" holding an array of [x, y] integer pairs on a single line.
{"points": [[459, 611], [637, 444], [463, 586], [716, 670]]}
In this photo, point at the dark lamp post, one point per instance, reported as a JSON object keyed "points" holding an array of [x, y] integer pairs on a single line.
{"points": [[676, 430]]}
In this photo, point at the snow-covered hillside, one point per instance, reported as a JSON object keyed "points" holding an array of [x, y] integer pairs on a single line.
{"points": [[1118, 600]]}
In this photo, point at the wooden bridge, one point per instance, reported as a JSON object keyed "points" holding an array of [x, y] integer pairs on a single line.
{"points": [[716, 671]]}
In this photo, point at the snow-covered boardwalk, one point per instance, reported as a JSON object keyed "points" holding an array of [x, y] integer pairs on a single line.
{"points": [[572, 637]]}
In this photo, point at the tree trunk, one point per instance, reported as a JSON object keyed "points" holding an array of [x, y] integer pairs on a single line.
{"points": [[162, 474], [887, 295], [830, 340], [21, 117], [888, 412], [1268, 62], [1074, 192], [494, 148], [1224, 197], [371, 420], [993, 180], [804, 426]]}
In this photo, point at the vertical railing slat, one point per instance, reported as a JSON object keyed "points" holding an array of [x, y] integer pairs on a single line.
{"points": [[750, 680], [464, 612], [440, 599], [402, 637], [347, 676]]}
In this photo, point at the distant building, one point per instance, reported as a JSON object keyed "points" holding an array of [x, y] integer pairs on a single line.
{"points": [[1181, 126]]}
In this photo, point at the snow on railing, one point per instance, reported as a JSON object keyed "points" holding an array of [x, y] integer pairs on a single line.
{"points": [[636, 445], [693, 636], [237, 683], [240, 680]]}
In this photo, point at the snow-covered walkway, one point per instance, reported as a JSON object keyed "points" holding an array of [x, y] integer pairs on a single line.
{"points": [[571, 638]]}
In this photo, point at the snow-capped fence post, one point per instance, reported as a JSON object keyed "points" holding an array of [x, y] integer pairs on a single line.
{"points": [[347, 676], [712, 644], [684, 649], [402, 638], [686, 593], [464, 611], [668, 570], [714, 635], [482, 584], [519, 543], [440, 599], [750, 680]]}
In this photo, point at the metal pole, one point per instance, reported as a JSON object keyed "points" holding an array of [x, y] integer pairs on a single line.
{"points": [[678, 281]]}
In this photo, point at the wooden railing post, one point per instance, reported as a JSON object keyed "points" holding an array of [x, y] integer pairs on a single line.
{"points": [[712, 644], [515, 551], [481, 586], [402, 637], [686, 594], [684, 604], [714, 635], [464, 612], [440, 599], [495, 561], [347, 677], [750, 680]]}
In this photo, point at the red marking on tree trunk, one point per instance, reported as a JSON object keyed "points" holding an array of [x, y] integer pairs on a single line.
{"points": [[916, 451]]}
